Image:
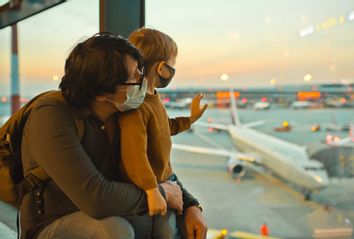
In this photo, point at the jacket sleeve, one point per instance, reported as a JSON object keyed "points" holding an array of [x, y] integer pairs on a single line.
{"points": [[133, 128], [53, 144], [188, 199], [179, 124]]}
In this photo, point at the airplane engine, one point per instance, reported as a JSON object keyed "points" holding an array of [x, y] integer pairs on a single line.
{"points": [[235, 168]]}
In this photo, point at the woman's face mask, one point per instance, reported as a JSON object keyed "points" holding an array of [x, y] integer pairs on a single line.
{"points": [[135, 95], [164, 81]]}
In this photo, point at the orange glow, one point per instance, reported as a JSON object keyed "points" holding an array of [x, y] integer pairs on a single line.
{"points": [[226, 94], [308, 95]]}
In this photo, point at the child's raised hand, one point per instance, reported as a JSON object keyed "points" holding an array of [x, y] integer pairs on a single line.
{"points": [[196, 109], [156, 203]]}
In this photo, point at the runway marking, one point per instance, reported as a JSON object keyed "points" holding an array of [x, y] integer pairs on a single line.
{"points": [[208, 140]]}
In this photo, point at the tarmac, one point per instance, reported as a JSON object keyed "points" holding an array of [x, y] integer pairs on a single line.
{"points": [[256, 199], [7, 221], [244, 205], [263, 198]]}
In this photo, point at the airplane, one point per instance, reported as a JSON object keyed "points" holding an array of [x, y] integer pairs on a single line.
{"points": [[334, 126], [261, 105], [302, 105], [180, 104], [287, 160], [335, 102]]}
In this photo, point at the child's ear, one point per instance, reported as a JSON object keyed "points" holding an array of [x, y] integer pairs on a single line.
{"points": [[159, 67]]}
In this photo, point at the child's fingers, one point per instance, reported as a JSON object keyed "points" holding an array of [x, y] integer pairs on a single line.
{"points": [[204, 107], [198, 97], [164, 211], [151, 213]]}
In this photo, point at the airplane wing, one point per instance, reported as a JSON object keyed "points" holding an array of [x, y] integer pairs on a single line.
{"points": [[212, 125], [254, 124], [226, 127], [248, 161], [217, 152]]}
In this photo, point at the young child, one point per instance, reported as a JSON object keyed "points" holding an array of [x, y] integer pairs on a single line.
{"points": [[146, 153]]}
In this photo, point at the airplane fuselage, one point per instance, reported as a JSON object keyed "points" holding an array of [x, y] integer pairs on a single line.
{"points": [[287, 160]]}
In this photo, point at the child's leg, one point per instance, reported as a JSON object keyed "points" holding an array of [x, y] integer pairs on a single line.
{"points": [[165, 227], [142, 226]]}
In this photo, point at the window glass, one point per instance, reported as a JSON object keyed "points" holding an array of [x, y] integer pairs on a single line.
{"points": [[291, 65], [254, 43]]}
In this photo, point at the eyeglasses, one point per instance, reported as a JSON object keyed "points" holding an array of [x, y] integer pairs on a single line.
{"points": [[137, 78]]}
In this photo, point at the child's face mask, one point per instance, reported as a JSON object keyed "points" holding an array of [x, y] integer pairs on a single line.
{"points": [[164, 81]]}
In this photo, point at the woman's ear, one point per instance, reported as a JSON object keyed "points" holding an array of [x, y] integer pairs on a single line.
{"points": [[101, 98]]}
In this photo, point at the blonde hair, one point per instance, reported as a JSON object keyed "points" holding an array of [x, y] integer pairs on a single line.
{"points": [[153, 45]]}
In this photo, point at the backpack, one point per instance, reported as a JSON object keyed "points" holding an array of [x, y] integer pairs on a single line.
{"points": [[12, 180]]}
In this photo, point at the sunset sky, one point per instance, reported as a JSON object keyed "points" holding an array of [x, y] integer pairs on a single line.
{"points": [[221, 43]]}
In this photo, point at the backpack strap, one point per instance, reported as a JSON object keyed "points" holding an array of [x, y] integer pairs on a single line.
{"points": [[40, 174], [33, 183]]}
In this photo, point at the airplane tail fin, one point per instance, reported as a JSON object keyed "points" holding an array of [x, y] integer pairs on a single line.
{"points": [[234, 111], [351, 132]]}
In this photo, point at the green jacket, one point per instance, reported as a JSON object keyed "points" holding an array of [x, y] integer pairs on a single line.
{"points": [[84, 173]]}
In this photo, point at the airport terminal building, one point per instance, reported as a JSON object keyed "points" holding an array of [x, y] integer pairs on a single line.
{"points": [[330, 95]]}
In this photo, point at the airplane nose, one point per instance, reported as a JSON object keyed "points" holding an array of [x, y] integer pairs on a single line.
{"points": [[322, 178], [325, 180]]}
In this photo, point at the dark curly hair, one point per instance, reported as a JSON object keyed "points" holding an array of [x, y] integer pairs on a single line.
{"points": [[96, 66]]}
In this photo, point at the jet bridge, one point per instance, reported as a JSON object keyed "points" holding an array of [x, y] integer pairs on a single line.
{"points": [[337, 160]]}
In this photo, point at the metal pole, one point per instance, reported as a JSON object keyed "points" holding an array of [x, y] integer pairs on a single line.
{"points": [[121, 16], [15, 82]]}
